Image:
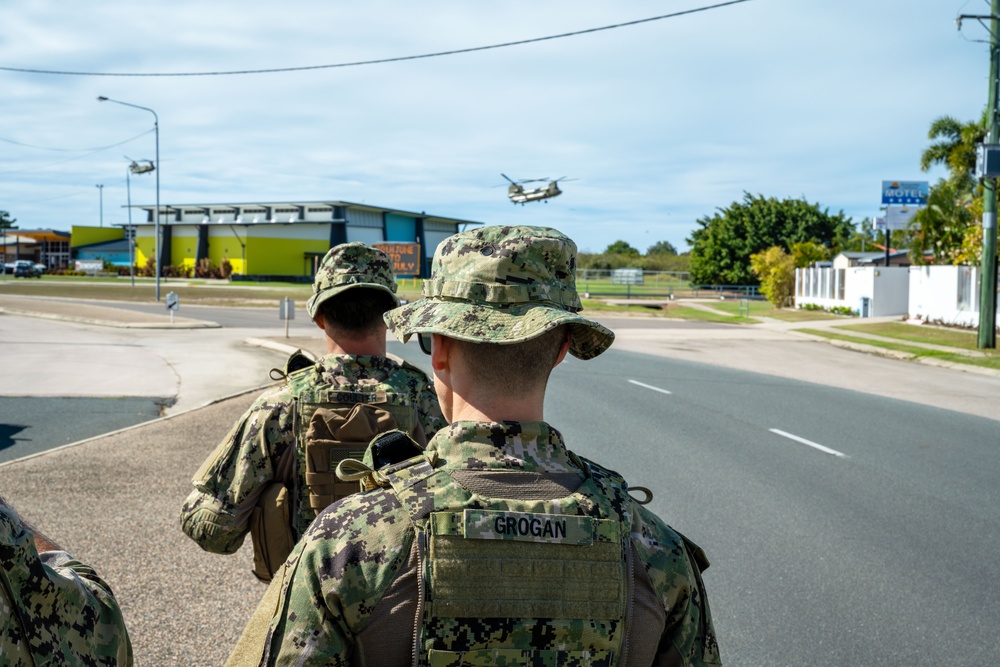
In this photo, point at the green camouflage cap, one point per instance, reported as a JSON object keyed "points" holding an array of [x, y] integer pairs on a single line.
{"points": [[351, 265], [503, 285]]}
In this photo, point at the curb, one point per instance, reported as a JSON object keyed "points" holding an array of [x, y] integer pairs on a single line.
{"points": [[189, 324], [902, 356], [213, 401]]}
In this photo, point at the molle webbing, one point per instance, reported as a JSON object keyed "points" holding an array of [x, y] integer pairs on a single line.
{"points": [[337, 425], [543, 573], [334, 434]]}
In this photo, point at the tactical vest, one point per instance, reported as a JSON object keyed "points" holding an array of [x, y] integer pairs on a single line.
{"points": [[332, 425], [518, 583]]}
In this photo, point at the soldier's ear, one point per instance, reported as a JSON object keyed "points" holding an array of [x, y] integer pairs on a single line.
{"points": [[441, 349], [319, 320], [564, 348]]}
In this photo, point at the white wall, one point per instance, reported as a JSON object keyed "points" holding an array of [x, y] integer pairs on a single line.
{"points": [[891, 290], [945, 294], [886, 289]]}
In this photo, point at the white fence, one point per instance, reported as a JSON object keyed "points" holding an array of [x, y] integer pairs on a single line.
{"points": [[938, 294], [868, 291]]}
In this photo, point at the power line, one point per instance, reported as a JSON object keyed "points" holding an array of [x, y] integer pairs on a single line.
{"points": [[75, 150], [381, 61]]}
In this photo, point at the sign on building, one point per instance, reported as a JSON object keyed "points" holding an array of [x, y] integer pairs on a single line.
{"points": [[405, 257], [913, 193]]}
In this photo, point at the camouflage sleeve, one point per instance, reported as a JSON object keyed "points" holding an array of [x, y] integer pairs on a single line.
{"points": [[674, 566], [367, 537], [216, 514], [60, 606]]}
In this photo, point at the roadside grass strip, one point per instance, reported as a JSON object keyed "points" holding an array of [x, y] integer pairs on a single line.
{"points": [[992, 361], [683, 313], [919, 334]]}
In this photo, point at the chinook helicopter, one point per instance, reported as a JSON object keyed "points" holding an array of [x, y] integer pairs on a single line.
{"points": [[519, 195]]}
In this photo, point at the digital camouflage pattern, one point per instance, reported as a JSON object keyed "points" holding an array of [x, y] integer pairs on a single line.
{"points": [[351, 265], [54, 610], [216, 514], [502, 284], [360, 547]]}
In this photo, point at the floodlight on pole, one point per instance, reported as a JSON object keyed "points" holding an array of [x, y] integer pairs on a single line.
{"points": [[135, 167], [156, 128]]}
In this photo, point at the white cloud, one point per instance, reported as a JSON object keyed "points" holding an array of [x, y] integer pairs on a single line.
{"points": [[659, 123]]}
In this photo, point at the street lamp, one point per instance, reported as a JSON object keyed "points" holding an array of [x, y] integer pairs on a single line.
{"points": [[100, 189], [156, 127], [133, 168]]}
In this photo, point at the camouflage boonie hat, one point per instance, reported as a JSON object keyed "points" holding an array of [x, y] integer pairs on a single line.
{"points": [[351, 265], [502, 285]]}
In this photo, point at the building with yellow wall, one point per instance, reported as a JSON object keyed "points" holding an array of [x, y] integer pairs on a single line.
{"points": [[275, 240]]}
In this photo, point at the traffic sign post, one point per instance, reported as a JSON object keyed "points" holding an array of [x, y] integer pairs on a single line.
{"points": [[173, 303], [286, 311]]}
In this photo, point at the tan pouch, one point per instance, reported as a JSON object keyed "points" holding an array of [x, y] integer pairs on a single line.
{"points": [[271, 530]]}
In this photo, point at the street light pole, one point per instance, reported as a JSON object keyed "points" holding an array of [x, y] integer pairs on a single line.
{"points": [[131, 232], [156, 128], [100, 189]]}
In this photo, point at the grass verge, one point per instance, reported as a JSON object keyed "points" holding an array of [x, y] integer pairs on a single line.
{"points": [[966, 340], [683, 313], [992, 361]]}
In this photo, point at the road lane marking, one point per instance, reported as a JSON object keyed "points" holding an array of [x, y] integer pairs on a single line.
{"points": [[649, 386], [810, 443]]}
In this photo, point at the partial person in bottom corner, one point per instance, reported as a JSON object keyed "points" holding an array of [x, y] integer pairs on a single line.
{"points": [[54, 610]]}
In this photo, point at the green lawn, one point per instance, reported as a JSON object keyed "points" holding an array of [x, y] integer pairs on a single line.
{"points": [[991, 361], [683, 313], [966, 340]]}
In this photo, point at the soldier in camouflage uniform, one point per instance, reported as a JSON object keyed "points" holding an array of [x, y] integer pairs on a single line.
{"points": [[497, 545], [53, 610], [352, 289]]}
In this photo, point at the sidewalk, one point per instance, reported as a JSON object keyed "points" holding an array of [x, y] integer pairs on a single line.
{"points": [[83, 313]]}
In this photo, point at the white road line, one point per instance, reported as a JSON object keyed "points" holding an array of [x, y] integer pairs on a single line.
{"points": [[810, 443], [649, 386]]}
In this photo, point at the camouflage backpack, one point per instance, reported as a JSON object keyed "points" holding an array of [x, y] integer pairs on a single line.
{"points": [[330, 425]]}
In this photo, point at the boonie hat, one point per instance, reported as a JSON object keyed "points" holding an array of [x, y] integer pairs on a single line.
{"points": [[504, 285], [350, 265]]}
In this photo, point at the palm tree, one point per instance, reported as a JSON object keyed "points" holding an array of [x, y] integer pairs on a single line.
{"points": [[955, 147]]}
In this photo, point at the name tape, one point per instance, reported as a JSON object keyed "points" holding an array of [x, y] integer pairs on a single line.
{"points": [[528, 527]]}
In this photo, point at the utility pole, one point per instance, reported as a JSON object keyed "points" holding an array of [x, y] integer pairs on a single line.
{"points": [[988, 269]]}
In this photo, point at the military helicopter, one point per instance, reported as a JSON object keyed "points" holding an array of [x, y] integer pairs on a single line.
{"points": [[519, 195]]}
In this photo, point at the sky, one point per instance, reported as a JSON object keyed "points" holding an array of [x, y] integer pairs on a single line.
{"points": [[654, 125]]}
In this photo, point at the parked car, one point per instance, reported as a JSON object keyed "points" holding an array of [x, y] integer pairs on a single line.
{"points": [[26, 269]]}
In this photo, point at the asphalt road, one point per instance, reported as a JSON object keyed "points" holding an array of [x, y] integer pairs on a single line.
{"points": [[843, 528]]}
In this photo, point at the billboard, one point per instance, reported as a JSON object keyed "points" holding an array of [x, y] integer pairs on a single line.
{"points": [[405, 257], [913, 193]]}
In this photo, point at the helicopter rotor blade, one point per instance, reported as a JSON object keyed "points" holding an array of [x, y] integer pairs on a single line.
{"points": [[509, 178]]}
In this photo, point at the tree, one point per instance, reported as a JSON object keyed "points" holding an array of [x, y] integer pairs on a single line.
{"points": [[942, 226], [807, 252], [955, 147], [6, 222], [662, 248], [621, 248], [946, 226], [776, 270], [722, 246]]}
